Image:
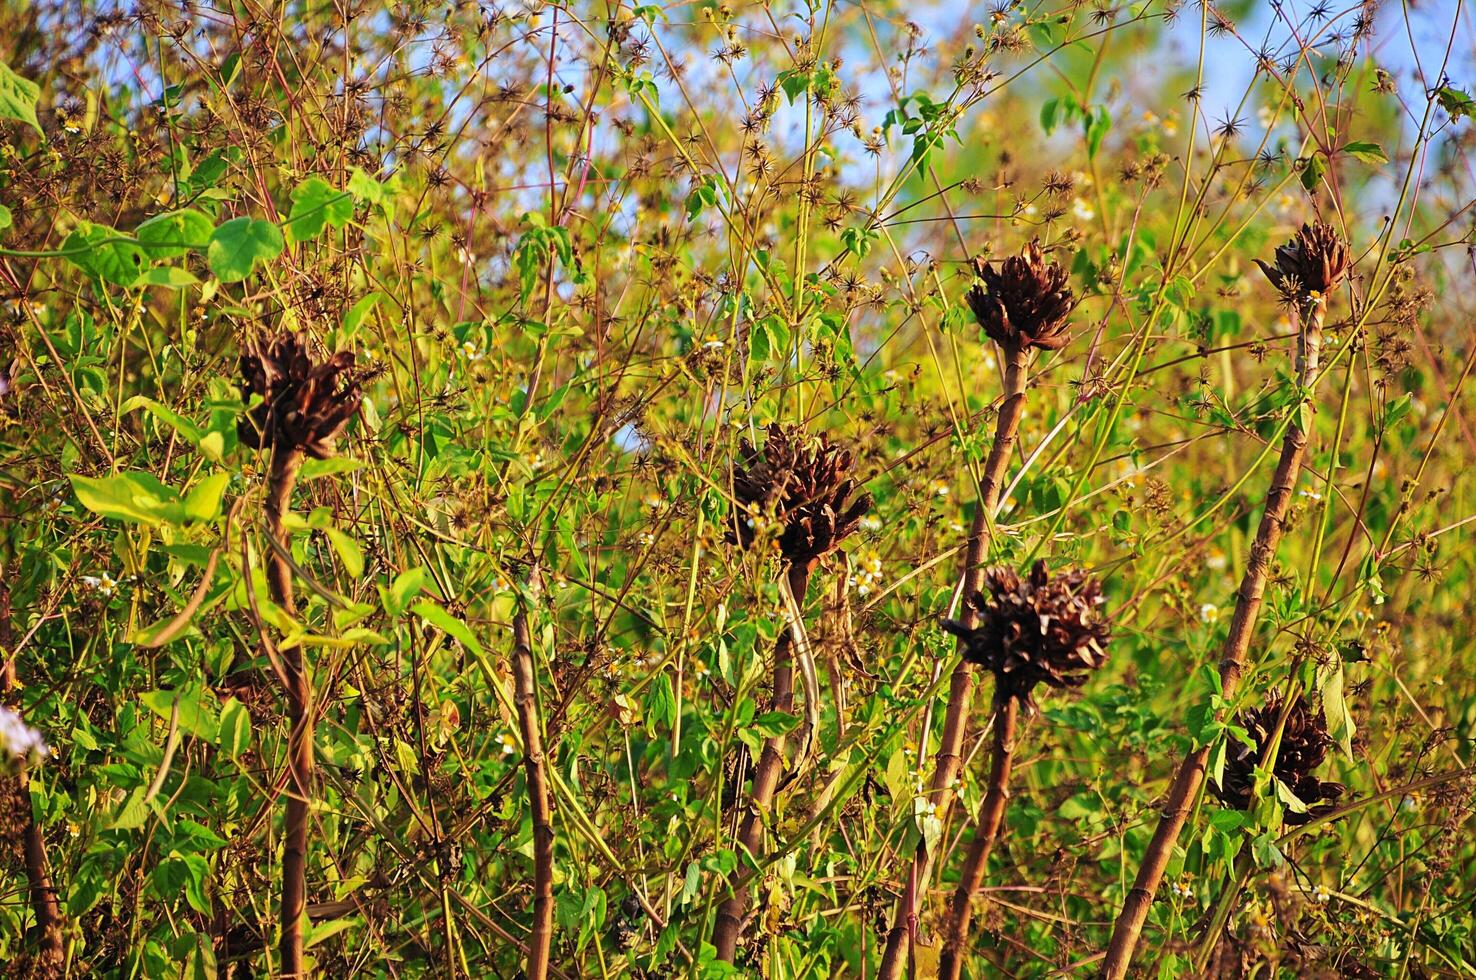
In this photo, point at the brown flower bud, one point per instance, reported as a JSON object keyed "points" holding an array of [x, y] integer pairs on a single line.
{"points": [[305, 404], [1303, 747], [1024, 303], [1037, 630], [1310, 265], [803, 484]]}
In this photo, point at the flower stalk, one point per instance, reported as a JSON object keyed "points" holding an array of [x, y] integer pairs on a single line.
{"points": [[525, 699], [1307, 268], [1021, 306], [304, 406], [804, 487]]}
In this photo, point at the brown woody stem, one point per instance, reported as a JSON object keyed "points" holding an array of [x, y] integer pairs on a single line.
{"points": [[949, 757], [280, 482], [991, 817], [44, 903], [729, 927], [525, 698], [1190, 777]]}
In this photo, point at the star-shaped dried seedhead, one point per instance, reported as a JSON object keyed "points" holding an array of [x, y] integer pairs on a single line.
{"points": [[1310, 265], [305, 403], [1023, 303], [805, 485], [1042, 629], [1303, 748]]}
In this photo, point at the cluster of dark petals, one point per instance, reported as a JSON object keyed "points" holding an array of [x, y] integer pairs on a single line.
{"points": [[1022, 303], [1303, 748], [1310, 264], [305, 402], [805, 485], [1040, 629]]}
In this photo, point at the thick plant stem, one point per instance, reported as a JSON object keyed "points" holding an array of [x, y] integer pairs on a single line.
{"points": [[949, 757], [44, 904], [729, 927], [1190, 777], [280, 483], [991, 817], [525, 698]]}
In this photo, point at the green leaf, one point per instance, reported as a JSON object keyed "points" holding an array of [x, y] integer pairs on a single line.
{"points": [[202, 503], [239, 244], [348, 551], [133, 496], [315, 205], [101, 252], [1368, 152], [1313, 169], [235, 728], [175, 233], [197, 712], [169, 277], [5, 218], [361, 309], [406, 586], [1456, 102], [18, 97], [312, 469]]}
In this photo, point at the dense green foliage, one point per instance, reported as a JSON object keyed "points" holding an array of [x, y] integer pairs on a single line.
{"points": [[580, 255]]}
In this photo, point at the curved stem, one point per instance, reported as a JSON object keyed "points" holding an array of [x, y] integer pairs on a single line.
{"points": [[1190, 776], [280, 483], [991, 818], [949, 757], [729, 927], [525, 697]]}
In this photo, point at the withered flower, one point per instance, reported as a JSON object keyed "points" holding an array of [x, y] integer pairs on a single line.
{"points": [[306, 403], [1036, 630], [805, 485], [1310, 265], [1304, 745], [1024, 303]]}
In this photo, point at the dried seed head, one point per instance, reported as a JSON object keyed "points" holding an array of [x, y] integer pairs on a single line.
{"points": [[1024, 303], [1303, 747], [305, 404], [805, 485], [1310, 265], [1036, 630]]}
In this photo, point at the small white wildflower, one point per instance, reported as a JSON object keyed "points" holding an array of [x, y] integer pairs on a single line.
{"points": [[472, 352], [20, 742], [1321, 894], [1082, 210], [1208, 612]]}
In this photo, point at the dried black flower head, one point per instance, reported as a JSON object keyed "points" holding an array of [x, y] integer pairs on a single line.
{"points": [[805, 485], [1036, 630], [305, 404], [1023, 303], [1310, 265], [1303, 747]]}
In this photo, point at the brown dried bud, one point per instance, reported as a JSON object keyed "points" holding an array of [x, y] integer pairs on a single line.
{"points": [[1303, 747], [1037, 630], [305, 403], [1310, 265], [803, 484], [1024, 303]]}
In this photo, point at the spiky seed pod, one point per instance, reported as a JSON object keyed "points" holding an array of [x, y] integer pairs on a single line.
{"points": [[1310, 265], [1043, 629], [306, 403], [805, 485], [1024, 303], [1304, 745]]}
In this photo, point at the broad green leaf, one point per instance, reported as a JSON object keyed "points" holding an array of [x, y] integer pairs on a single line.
{"points": [[348, 551], [239, 244], [1368, 152], [133, 496], [361, 309], [197, 712], [312, 469], [315, 205], [235, 728], [166, 236], [202, 503], [18, 97], [100, 251], [169, 277], [5, 218]]}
